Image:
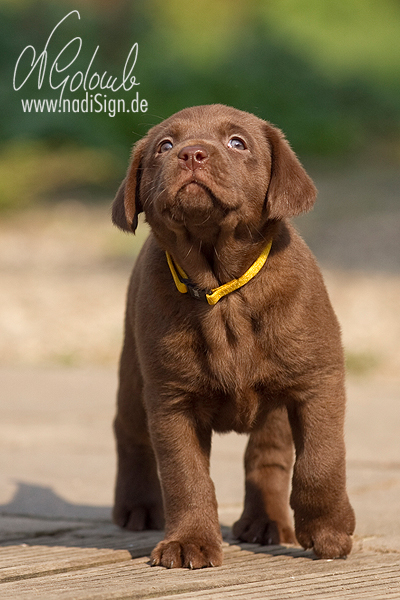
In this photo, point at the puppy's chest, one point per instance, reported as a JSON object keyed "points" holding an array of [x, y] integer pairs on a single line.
{"points": [[235, 366], [219, 351], [222, 365], [233, 351]]}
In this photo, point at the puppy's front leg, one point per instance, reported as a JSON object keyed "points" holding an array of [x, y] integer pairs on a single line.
{"points": [[324, 518], [182, 447]]}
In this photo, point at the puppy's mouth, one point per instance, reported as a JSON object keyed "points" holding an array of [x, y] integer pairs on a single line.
{"points": [[194, 203], [192, 206], [193, 186]]}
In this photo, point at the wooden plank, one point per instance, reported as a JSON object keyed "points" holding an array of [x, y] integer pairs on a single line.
{"points": [[100, 574], [33, 562]]}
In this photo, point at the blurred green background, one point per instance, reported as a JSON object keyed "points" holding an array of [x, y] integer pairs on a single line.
{"points": [[326, 72]]}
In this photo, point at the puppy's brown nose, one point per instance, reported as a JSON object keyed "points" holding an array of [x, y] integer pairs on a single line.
{"points": [[193, 157]]}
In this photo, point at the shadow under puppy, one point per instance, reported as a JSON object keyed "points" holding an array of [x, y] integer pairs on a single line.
{"points": [[228, 327]]}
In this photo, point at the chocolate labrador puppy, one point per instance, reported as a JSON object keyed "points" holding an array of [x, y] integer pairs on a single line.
{"points": [[228, 327]]}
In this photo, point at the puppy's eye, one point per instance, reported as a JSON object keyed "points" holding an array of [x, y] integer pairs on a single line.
{"points": [[237, 143], [164, 146]]}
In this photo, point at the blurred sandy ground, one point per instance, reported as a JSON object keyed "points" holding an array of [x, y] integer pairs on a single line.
{"points": [[64, 270]]}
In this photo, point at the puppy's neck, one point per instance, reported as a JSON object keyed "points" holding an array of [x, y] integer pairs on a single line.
{"points": [[211, 264]]}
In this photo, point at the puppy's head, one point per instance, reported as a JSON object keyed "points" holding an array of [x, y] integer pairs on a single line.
{"points": [[210, 165]]}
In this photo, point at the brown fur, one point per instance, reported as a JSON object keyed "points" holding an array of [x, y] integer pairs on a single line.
{"points": [[266, 360]]}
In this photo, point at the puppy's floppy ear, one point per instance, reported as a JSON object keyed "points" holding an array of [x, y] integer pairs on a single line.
{"points": [[127, 206], [290, 191]]}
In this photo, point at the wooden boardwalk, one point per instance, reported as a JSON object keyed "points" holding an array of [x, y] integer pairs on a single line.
{"points": [[96, 561]]}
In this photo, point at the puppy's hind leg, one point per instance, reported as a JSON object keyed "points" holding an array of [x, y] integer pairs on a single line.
{"points": [[268, 461], [138, 500]]}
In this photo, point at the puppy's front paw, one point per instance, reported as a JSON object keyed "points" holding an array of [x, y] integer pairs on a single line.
{"points": [[326, 542], [262, 531], [193, 554], [328, 536], [325, 527]]}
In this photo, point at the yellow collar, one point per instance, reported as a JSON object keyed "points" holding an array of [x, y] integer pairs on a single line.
{"points": [[184, 285]]}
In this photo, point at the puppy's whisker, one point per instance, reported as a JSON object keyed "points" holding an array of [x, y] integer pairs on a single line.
{"points": [[208, 217], [189, 251]]}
